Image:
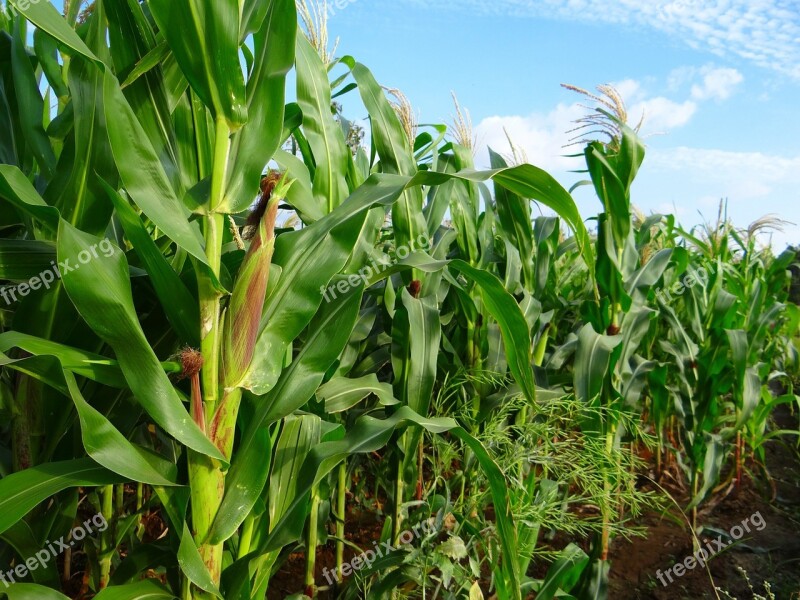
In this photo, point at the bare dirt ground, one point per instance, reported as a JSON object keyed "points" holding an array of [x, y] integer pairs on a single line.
{"points": [[771, 555]]}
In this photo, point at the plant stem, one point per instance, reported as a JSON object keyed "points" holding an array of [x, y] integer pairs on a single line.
{"points": [[399, 492], [246, 537], [522, 418], [739, 458], [107, 541], [311, 544], [211, 331], [607, 492], [206, 477], [119, 500], [27, 400], [139, 505], [341, 508], [209, 295], [420, 466]]}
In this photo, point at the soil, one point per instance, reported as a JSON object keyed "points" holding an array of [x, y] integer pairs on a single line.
{"points": [[363, 529], [771, 555]]}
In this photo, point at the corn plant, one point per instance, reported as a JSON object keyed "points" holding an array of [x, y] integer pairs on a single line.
{"points": [[163, 146], [609, 370], [723, 306], [219, 305]]}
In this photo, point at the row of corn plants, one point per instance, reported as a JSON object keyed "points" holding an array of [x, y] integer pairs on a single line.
{"points": [[233, 325]]}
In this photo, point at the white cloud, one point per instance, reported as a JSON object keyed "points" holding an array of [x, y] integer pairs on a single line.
{"points": [[662, 114], [717, 84], [630, 89], [764, 32], [546, 138], [543, 137]]}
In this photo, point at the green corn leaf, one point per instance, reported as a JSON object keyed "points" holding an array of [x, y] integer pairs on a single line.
{"points": [[244, 485], [342, 393], [329, 332], [179, 305], [299, 435], [611, 191], [134, 46], [21, 260], [324, 135], [41, 368], [300, 195], [86, 364], [534, 183], [20, 193], [712, 466], [32, 591], [642, 281], [253, 13], [204, 38], [416, 334], [515, 219], [514, 329], [635, 325], [21, 492], [30, 103], [46, 17], [192, 564], [46, 50], [147, 63], [394, 149], [748, 384], [76, 186], [106, 445], [143, 174], [593, 584], [26, 543], [259, 139], [564, 572], [309, 259], [102, 441], [592, 361], [148, 589], [503, 515], [139, 560], [101, 292], [367, 435]]}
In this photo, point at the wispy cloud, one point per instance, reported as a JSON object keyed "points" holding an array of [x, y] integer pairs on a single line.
{"points": [[764, 32], [544, 136], [754, 183], [717, 84], [752, 175]]}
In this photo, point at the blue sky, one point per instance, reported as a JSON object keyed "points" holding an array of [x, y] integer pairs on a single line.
{"points": [[718, 81]]}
